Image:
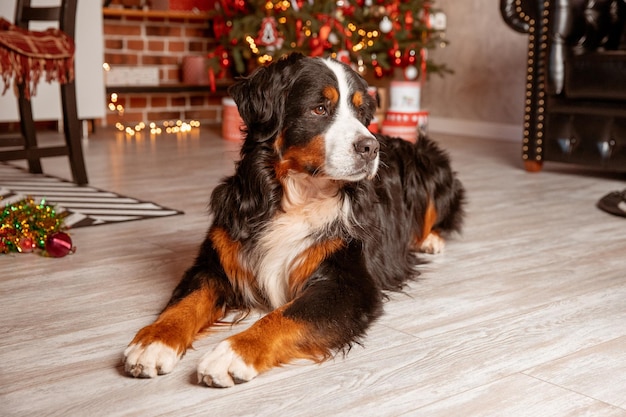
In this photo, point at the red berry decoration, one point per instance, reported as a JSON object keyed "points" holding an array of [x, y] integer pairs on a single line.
{"points": [[59, 244]]}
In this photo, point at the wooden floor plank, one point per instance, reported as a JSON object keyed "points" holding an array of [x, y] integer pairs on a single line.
{"points": [[599, 371], [522, 315], [519, 396]]}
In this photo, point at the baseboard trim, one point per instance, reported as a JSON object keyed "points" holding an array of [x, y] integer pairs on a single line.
{"points": [[488, 130]]}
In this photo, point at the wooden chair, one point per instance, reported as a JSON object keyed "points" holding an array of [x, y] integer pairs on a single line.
{"points": [[25, 145]]}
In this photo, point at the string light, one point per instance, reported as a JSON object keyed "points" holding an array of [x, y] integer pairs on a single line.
{"points": [[177, 126]]}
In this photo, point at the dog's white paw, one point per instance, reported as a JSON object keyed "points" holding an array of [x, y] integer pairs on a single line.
{"points": [[148, 361], [433, 244], [223, 367]]}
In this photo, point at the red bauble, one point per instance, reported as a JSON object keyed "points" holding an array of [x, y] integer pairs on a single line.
{"points": [[59, 244], [26, 245]]}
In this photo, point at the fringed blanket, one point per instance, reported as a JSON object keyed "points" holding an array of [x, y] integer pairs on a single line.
{"points": [[25, 55]]}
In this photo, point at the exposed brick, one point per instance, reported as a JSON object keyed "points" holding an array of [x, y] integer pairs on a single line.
{"points": [[159, 60], [164, 115], [134, 44], [158, 46], [197, 46], [196, 101], [113, 44], [205, 114], [196, 32], [172, 75], [138, 102], [178, 101], [158, 101], [120, 59], [160, 42], [176, 46], [125, 118], [114, 29], [215, 100], [163, 30]]}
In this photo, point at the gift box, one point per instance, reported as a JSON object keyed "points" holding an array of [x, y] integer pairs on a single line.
{"points": [[405, 124]]}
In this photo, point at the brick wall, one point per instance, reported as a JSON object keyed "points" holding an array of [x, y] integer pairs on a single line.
{"points": [[159, 41]]}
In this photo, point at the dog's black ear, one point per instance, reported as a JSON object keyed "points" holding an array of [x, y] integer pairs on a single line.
{"points": [[260, 97]]}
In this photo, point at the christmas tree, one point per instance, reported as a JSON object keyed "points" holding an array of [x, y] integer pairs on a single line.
{"points": [[374, 36]]}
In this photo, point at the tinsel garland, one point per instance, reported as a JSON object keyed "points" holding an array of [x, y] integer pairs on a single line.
{"points": [[27, 225]]}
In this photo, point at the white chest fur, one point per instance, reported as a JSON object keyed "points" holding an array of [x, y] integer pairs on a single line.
{"points": [[309, 206]]}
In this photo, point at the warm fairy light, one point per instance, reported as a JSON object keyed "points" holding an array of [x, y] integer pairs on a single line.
{"points": [[170, 126], [106, 66], [264, 59], [252, 45]]}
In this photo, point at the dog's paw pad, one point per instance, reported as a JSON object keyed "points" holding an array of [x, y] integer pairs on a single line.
{"points": [[433, 244], [223, 368], [148, 361]]}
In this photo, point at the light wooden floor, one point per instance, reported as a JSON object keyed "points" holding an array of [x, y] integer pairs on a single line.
{"points": [[524, 314]]}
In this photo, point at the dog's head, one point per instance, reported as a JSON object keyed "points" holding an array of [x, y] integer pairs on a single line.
{"points": [[314, 113]]}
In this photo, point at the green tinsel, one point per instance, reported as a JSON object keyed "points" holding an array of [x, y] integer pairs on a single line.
{"points": [[25, 225]]}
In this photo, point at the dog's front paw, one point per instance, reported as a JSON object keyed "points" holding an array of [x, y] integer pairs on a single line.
{"points": [[223, 367], [433, 244], [148, 361]]}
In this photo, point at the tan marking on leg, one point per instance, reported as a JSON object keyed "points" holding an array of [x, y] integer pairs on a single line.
{"points": [[229, 253], [179, 325], [276, 339], [430, 218]]}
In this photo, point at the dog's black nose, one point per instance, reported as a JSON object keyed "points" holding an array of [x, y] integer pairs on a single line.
{"points": [[367, 147]]}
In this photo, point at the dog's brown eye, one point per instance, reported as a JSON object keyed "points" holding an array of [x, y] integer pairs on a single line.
{"points": [[320, 110]]}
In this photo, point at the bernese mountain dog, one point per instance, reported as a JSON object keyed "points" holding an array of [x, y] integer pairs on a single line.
{"points": [[320, 219]]}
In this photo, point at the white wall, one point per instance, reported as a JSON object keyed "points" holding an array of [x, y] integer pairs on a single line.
{"points": [[89, 73], [485, 95]]}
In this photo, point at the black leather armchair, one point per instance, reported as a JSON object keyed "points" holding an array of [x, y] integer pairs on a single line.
{"points": [[575, 104]]}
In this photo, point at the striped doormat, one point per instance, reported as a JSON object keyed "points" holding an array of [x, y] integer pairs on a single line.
{"points": [[87, 206]]}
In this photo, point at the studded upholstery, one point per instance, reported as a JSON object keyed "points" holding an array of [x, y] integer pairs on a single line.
{"points": [[575, 104]]}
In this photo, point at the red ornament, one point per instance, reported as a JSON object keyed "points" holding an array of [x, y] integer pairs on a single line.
{"points": [[268, 34], [26, 245], [59, 244]]}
